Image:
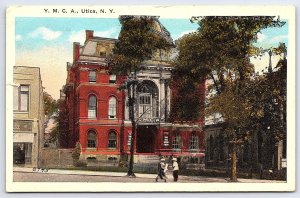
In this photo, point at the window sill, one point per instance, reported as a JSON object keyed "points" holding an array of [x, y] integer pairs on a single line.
{"points": [[21, 112], [91, 149], [176, 150]]}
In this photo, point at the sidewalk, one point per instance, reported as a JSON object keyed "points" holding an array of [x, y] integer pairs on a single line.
{"points": [[139, 175], [80, 172]]}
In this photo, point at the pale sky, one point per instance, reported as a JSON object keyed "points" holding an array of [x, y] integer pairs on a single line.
{"points": [[47, 42]]}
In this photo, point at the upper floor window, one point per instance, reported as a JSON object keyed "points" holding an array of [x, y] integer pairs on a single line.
{"points": [[112, 79], [21, 98], [145, 105], [148, 104], [92, 77], [91, 139], [194, 142], [176, 142], [92, 113], [112, 140], [112, 107], [102, 52]]}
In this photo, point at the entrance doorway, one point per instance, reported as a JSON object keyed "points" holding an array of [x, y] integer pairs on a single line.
{"points": [[146, 139], [22, 153]]}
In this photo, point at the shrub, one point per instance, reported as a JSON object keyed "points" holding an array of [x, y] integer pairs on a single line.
{"points": [[80, 163], [76, 153]]}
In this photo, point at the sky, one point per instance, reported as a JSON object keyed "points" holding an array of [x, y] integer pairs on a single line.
{"points": [[47, 42]]}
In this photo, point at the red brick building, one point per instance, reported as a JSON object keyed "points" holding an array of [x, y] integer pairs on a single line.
{"points": [[98, 112]]}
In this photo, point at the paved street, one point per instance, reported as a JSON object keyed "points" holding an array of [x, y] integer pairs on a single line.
{"points": [[55, 175], [49, 177]]}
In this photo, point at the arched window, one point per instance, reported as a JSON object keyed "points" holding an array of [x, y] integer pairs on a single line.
{"points": [[112, 108], [147, 98], [176, 141], [194, 142], [112, 139], [92, 113], [92, 139]]}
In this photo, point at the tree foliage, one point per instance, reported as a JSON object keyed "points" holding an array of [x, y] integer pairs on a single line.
{"points": [[60, 131], [137, 42], [50, 104], [220, 51], [187, 107]]}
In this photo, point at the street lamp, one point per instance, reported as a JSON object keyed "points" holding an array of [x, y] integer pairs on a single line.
{"points": [[130, 85]]}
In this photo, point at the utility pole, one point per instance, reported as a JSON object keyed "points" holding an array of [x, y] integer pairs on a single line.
{"points": [[131, 100], [130, 85]]}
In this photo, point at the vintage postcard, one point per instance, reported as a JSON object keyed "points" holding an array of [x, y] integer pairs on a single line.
{"points": [[168, 98]]}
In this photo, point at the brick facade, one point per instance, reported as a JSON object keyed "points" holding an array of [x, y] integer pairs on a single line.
{"points": [[88, 92]]}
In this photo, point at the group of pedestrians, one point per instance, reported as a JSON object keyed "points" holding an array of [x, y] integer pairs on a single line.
{"points": [[163, 167]]}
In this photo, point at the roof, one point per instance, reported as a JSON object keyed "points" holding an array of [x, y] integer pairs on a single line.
{"points": [[161, 30]]}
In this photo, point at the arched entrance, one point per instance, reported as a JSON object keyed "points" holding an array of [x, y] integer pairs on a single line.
{"points": [[146, 139]]}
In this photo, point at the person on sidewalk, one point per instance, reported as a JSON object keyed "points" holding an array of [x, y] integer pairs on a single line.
{"points": [[175, 169], [161, 170]]}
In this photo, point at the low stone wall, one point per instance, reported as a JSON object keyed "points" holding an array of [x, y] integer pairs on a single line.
{"points": [[56, 158]]}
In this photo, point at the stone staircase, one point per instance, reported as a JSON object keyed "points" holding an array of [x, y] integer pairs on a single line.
{"points": [[146, 163]]}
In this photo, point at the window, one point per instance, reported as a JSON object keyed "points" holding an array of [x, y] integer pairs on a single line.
{"points": [[194, 142], [145, 109], [92, 137], [112, 108], [92, 77], [129, 139], [176, 142], [21, 98], [102, 52], [145, 99], [92, 107], [112, 79], [211, 148], [112, 140], [166, 138]]}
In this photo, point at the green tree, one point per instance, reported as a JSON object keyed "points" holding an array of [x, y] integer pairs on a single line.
{"points": [[60, 131], [187, 107], [50, 104], [221, 51], [139, 39]]}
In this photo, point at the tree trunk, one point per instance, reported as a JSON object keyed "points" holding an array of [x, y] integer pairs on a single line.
{"points": [[233, 177]]}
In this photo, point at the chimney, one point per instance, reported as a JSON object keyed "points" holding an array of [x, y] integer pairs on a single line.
{"points": [[89, 34], [76, 51], [270, 62]]}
